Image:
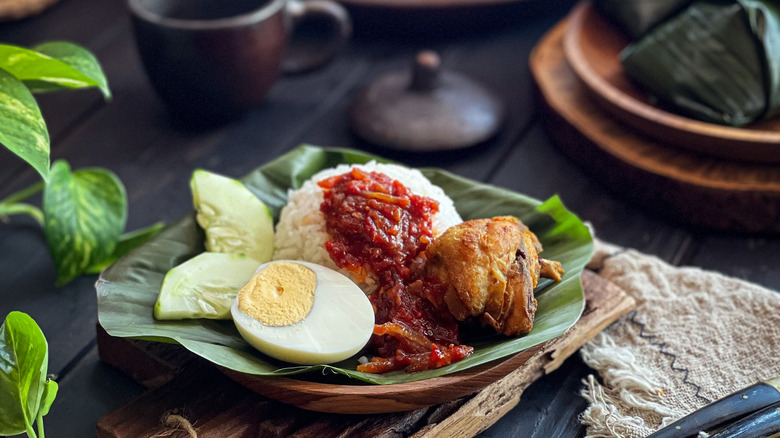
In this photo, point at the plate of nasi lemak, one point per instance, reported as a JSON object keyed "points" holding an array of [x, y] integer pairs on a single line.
{"points": [[342, 265]]}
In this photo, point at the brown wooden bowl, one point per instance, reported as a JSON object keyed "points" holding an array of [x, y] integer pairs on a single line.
{"points": [[373, 399], [674, 183], [592, 46]]}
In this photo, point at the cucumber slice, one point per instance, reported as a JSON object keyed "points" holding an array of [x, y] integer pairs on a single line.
{"points": [[204, 286], [234, 219]]}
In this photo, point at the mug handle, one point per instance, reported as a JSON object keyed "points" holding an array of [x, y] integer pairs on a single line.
{"points": [[308, 57]]}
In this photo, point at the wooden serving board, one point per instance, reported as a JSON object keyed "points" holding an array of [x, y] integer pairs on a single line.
{"points": [[676, 184], [183, 387]]}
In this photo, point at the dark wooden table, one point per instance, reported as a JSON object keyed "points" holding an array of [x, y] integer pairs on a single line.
{"points": [[133, 136]]}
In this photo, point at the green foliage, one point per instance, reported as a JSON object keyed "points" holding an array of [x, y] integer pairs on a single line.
{"points": [[85, 213], [25, 392], [50, 66], [54, 66], [127, 242], [23, 130], [128, 290], [714, 61]]}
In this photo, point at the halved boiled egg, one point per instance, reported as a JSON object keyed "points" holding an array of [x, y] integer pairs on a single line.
{"points": [[303, 313]]}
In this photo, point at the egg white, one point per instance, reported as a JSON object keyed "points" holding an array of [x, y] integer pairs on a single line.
{"points": [[339, 324]]}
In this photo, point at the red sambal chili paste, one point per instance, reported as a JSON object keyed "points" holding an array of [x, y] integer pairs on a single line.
{"points": [[378, 225]]}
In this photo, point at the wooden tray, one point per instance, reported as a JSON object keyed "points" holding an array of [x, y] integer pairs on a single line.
{"points": [[592, 46], [674, 183], [219, 407]]}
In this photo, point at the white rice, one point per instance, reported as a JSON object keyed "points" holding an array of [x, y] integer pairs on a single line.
{"points": [[301, 233]]}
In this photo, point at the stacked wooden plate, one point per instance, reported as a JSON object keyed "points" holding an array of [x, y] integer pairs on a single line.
{"points": [[698, 173]]}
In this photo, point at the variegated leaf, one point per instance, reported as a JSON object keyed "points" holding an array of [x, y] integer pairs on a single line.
{"points": [[79, 58], [84, 216], [22, 129], [54, 65], [24, 359], [127, 242]]}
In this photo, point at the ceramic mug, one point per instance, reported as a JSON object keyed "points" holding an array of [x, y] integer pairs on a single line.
{"points": [[211, 60]]}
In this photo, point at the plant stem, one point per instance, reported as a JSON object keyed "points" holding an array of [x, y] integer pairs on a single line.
{"points": [[31, 432], [11, 205], [24, 193], [39, 423], [7, 209]]}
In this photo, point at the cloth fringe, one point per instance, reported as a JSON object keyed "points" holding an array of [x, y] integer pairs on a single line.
{"points": [[630, 385], [624, 375], [602, 416], [683, 347]]}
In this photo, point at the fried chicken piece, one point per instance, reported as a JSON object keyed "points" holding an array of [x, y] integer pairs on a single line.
{"points": [[490, 268]]}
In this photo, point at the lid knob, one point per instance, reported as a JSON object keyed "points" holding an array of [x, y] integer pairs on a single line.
{"points": [[425, 71]]}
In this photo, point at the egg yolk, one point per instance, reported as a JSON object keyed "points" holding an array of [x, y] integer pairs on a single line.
{"points": [[279, 295], [303, 313]]}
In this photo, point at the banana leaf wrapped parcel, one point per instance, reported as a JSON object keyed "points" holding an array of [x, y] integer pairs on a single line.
{"points": [[717, 61], [636, 17]]}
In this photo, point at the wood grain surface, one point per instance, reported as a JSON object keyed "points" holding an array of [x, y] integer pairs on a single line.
{"points": [[695, 189], [195, 389], [435, 19], [592, 47], [133, 136], [417, 4]]}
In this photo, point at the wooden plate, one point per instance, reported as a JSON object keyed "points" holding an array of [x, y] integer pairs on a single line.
{"points": [[374, 399], [674, 183], [592, 46], [604, 303], [219, 408]]}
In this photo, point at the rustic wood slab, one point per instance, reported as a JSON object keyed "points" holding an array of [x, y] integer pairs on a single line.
{"points": [[674, 183], [187, 388]]}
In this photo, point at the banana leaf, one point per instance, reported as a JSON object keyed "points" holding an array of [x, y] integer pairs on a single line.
{"points": [[717, 61], [636, 17], [126, 292]]}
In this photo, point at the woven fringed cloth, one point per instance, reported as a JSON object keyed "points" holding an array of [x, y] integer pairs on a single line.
{"points": [[694, 337]]}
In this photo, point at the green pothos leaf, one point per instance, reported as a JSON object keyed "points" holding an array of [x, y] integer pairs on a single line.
{"points": [[50, 389], [22, 129], [23, 364], [127, 291], [127, 242], [53, 66], [84, 215]]}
